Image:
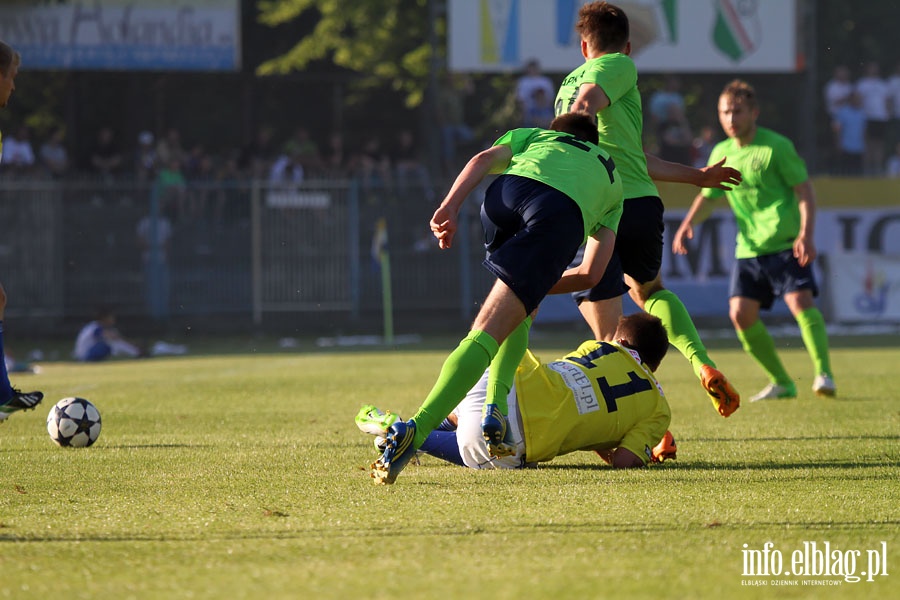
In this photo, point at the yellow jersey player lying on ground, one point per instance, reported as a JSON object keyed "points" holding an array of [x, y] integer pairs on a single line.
{"points": [[601, 397]]}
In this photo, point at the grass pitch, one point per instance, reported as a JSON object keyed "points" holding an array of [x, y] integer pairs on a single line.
{"points": [[243, 476]]}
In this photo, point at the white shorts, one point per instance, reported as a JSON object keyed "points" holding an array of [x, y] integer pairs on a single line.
{"points": [[470, 438]]}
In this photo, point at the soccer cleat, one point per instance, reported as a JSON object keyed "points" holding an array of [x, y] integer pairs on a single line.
{"points": [[824, 386], [724, 397], [774, 391], [399, 451], [496, 432], [20, 401], [374, 422], [665, 449]]}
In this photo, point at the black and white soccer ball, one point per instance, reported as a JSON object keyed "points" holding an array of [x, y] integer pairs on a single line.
{"points": [[74, 422]]}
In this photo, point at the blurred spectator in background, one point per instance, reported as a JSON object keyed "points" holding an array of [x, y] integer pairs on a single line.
{"points": [[305, 151], [849, 125], [154, 235], [893, 84], [145, 159], [874, 93], [335, 161], [171, 188], [106, 157], [530, 82], [451, 119], [53, 154], [256, 158], [409, 170], [663, 99], [539, 112], [837, 89], [18, 154], [893, 162], [99, 339], [169, 148], [287, 169], [703, 145], [674, 136], [374, 166]]}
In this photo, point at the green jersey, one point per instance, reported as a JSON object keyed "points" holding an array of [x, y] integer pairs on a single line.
{"points": [[764, 204], [620, 124], [580, 170]]}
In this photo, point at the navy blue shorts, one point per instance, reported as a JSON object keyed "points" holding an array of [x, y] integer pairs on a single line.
{"points": [[531, 234], [767, 277], [638, 251]]}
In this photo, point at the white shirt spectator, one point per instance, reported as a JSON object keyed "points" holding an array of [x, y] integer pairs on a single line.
{"points": [[838, 90], [893, 84], [17, 152], [874, 93]]}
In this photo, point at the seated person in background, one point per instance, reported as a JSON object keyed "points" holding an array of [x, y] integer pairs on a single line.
{"points": [[601, 397], [99, 339]]}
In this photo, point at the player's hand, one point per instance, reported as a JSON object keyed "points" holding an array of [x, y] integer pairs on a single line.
{"points": [[804, 250], [685, 231], [443, 226], [719, 176]]}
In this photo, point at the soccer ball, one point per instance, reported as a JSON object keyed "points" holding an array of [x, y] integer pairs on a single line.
{"points": [[74, 422]]}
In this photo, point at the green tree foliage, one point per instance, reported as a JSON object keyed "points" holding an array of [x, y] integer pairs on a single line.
{"points": [[382, 42]]}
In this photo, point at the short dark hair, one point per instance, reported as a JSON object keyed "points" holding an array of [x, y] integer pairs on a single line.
{"points": [[580, 124], [8, 58], [645, 334], [741, 91], [604, 26]]}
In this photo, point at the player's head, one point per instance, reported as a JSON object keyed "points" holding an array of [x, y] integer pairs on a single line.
{"points": [[105, 314], [9, 68], [644, 333], [738, 109], [580, 124], [603, 27]]}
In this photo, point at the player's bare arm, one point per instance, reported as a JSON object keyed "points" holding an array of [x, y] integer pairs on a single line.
{"points": [[444, 221], [804, 246], [591, 99], [597, 252], [699, 211], [713, 176]]}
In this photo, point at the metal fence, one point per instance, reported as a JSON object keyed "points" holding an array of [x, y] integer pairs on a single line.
{"points": [[233, 251]]}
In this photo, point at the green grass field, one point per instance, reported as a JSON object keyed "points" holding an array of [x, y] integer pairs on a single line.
{"points": [[243, 476]]}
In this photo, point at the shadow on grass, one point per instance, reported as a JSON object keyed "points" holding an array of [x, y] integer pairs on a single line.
{"points": [[313, 535], [732, 466]]}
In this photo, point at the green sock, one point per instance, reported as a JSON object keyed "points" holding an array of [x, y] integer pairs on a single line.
{"points": [[815, 338], [503, 368], [666, 306], [759, 344], [462, 369]]}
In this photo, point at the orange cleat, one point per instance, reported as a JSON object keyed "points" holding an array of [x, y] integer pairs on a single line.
{"points": [[724, 397], [666, 448]]}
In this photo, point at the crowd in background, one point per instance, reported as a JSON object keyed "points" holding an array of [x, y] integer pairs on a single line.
{"points": [[864, 115], [864, 109]]}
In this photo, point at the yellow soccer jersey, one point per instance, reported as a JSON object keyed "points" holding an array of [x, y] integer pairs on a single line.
{"points": [[596, 398]]}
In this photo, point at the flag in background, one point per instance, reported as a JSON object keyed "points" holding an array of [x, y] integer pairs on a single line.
{"points": [[736, 31], [379, 241]]}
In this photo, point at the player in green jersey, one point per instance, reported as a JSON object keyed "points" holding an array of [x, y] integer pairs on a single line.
{"points": [[601, 397], [775, 210], [606, 85], [555, 187]]}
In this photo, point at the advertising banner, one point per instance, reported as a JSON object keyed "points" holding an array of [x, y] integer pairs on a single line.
{"points": [[858, 269], [701, 36], [163, 35]]}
